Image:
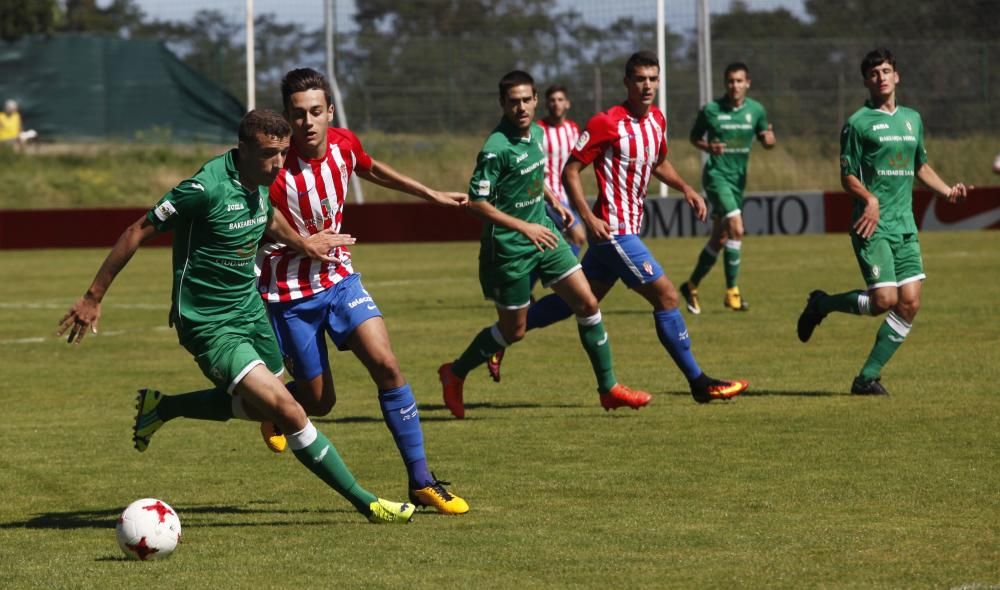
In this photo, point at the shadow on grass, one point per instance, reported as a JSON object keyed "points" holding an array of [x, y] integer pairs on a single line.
{"points": [[106, 518], [442, 408], [766, 393]]}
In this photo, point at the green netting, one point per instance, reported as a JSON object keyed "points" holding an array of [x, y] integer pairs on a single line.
{"points": [[75, 87]]}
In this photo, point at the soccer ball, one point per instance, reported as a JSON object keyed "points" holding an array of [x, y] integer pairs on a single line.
{"points": [[148, 529]]}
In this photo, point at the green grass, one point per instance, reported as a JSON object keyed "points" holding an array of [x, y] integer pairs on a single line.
{"points": [[136, 175], [794, 484]]}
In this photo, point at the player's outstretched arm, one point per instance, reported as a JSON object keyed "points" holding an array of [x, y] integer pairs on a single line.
{"points": [[541, 236], [384, 175], [316, 246], [86, 312], [930, 178], [667, 174], [574, 190]]}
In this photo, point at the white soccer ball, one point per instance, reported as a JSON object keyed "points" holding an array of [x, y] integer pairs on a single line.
{"points": [[148, 529]]}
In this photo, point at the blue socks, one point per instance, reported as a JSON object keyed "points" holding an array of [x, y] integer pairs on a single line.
{"points": [[399, 408], [674, 337], [547, 311]]}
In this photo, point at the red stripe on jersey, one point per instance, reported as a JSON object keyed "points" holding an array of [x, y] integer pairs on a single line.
{"points": [[624, 151], [310, 194], [558, 142]]}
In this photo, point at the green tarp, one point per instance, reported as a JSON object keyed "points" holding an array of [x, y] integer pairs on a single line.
{"points": [[76, 87]]}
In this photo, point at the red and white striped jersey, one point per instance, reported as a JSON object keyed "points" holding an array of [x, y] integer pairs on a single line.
{"points": [[310, 194], [624, 151], [559, 141]]}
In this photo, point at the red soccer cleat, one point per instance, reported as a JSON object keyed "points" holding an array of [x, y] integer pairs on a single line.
{"points": [[451, 387], [494, 364], [623, 396]]}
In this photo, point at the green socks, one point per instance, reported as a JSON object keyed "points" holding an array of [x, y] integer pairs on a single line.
{"points": [[318, 454], [482, 348], [856, 302], [595, 341], [207, 404], [890, 335], [732, 258], [706, 260]]}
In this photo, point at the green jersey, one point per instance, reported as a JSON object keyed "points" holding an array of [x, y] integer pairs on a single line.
{"points": [[737, 127], [884, 151], [510, 175], [217, 225]]}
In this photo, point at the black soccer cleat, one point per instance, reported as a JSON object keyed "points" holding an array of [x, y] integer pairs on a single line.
{"points": [[873, 386], [810, 316]]}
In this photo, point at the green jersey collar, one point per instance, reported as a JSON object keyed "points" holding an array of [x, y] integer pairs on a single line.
{"points": [[511, 131], [871, 106]]}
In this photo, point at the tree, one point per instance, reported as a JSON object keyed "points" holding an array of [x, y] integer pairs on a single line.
{"points": [[27, 17]]}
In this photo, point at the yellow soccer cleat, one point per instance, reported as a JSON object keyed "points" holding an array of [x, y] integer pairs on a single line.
{"points": [[386, 512], [147, 419], [735, 301], [273, 437], [439, 498]]}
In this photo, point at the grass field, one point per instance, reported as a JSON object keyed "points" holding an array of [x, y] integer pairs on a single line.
{"points": [[793, 485], [136, 175]]}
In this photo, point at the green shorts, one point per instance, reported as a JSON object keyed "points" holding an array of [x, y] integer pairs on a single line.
{"points": [[889, 260], [509, 285], [226, 353], [726, 198]]}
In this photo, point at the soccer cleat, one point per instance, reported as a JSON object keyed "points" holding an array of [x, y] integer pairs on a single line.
{"points": [[873, 386], [386, 512], [709, 389], [437, 496], [690, 294], [451, 387], [735, 301], [494, 364], [810, 316], [273, 437], [147, 420], [619, 396]]}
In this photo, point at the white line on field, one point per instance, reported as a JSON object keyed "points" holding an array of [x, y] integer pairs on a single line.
{"points": [[100, 334]]}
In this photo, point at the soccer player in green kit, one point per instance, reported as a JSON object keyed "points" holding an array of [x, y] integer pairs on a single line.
{"points": [[881, 150], [218, 217], [507, 191], [725, 129]]}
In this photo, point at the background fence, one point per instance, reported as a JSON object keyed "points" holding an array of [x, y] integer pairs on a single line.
{"points": [[431, 65]]}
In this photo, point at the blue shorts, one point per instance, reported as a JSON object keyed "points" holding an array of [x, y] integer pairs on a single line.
{"points": [[622, 257], [300, 325]]}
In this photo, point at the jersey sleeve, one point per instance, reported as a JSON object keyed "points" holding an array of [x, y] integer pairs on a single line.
{"points": [[362, 160], [184, 201], [484, 178], [762, 122], [594, 138], [920, 158], [850, 151], [700, 126]]}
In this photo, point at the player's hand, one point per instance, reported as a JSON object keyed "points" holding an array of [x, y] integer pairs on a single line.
{"points": [[566, 215], [716, 148], [449, 199], [597, 227], [319, 245], [866, 224], [82, 316], [696, 202], [541, 236], [958, 193], [767, 136]]}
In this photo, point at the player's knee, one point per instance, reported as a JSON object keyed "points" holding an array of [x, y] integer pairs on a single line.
{"points": [[515, 334], [288, 411], [668, 298], [908, 308], [883, 300], [736, 233], [587, 306], [385, 371]]}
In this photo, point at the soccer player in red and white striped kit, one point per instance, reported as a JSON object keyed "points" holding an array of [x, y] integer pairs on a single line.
{"points": [[308, 300], [627, 144]]}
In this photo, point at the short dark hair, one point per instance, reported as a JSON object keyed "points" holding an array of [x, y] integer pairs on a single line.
{"points": [[301, 80], [263, 122], [736, 66], [877, 57], [515, 78], [556, 88], [640, 59]]}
